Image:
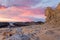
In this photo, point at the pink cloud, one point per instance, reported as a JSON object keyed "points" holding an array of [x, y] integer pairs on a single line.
{"points": [[20, 14]]}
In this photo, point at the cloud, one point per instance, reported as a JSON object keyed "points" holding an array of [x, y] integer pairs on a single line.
{"points": [[20, 14], [30, 3], [46, 3], [18, 2]]}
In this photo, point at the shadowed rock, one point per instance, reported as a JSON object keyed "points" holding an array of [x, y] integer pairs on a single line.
{"points": [[3, 24], [57, 37], [21, 24], [18, 37]]}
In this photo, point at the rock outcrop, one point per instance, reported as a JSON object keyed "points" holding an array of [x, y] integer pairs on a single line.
{"points": [[49, 13], [58, 7], [53, 15]]}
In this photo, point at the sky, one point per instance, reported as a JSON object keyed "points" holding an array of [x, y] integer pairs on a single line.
{"points": [[24, 10]]}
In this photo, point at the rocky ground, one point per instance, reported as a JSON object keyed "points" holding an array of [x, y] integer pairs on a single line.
{"points": [[33, 32]]}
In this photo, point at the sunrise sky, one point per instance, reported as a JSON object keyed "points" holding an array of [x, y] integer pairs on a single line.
{"points": [[24, 10]]}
